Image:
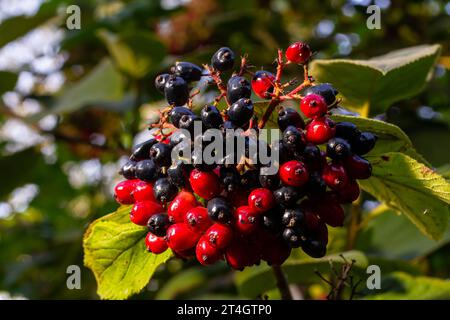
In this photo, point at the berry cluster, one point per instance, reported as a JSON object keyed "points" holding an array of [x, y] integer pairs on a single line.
{"points": [[230, 209]]}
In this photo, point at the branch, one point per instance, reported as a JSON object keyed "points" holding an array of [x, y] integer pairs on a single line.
{"points": [[282, 284]]}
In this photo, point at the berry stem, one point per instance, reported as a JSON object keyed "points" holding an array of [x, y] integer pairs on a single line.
{"points": [[270, 108], [282, 283], [355, 223], [215, 75], [280, 66]]}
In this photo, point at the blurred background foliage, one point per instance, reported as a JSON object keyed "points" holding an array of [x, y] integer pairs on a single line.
{"points": [[74, 101]]}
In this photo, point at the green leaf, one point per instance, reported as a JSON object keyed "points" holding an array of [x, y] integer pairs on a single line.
{"points": [[114, 249], [16, 27], [413, 189], [260, 107], [377, 83], [182, 282], [256, 280], [103, 84], [381, 237], [7, 81], [136, 53], [390, 137], [402, 286]]}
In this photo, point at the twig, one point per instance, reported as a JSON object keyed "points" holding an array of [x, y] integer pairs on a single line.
{"points": [[282, 283]]}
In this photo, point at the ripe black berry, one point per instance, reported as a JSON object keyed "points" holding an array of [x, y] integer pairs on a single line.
{"points": [[293, 236], [293, 139], [326, 90], [128, 170], [161, 154], [188, 71], [176, 113], [269, 181], [287, 196], [293, 218], [211, 117], [347, 130], [364, 143], [316, 185], [238, 88], [176, 91], [338, 148], [219, 210], [146, 170], [178, 173], [187, 122], [160, 82], [223, 59], [289, 117], [229, 177], [272, 220], [164, 191], [241, 111], [142, 150], [314, 248], [158, 224], [311, 154]]}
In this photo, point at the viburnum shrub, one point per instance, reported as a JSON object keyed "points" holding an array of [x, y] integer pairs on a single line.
{"points": [[230, 209]]}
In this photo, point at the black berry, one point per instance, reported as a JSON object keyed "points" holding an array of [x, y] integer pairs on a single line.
{"points": [[223, 59]]}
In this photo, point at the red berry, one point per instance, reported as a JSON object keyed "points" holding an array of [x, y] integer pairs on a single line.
{"points": [[181, 238], [185, 254], [313, 105], [358, 167], [261, 200], [123, 192], [262, 84], [298, 52], [335, 176], [294, 173], [238, 198], [198, 220], [239, 254], [181, 204], [246, 220], [143, 210], [350, 193], [144, 191], [155, 244], [219, 235], [206, 253], [331, 212], [274, 250], [205, 183], [320, 130]]}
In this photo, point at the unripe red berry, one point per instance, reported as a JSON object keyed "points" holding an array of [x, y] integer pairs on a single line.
{"points": [[155, 244], [298, 52], [181, 204], [205, 183], [294, 173], [261, 200], [273, 249], [206, 253], [335, 176], [331, 212], [238, 198], [219, 235], [313, 106], [123, 192], [358, 167], [181, 238], [143, 210], [198, 220], [350, 193], [262, 84], [239, 254], [320, 130], [144, 191], [246, 220]]}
